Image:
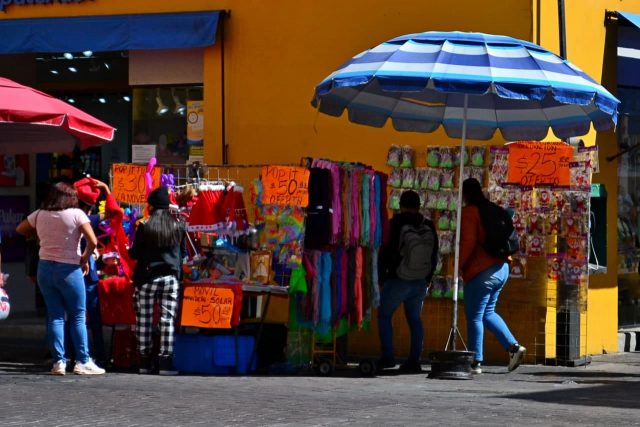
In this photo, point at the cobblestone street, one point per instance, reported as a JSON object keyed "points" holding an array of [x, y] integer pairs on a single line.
{"points": [[604, 393]]}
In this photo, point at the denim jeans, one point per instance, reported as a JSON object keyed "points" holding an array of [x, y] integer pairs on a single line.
{"points": [[412, 294], [94, 323], [480, 298], [62, 287]]}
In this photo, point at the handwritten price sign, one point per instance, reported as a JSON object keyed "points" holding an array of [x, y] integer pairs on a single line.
{"points": [[539, 164], [129, 185], [285, 185], [207, 307]]}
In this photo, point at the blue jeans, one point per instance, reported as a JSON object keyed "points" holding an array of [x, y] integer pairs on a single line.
{"points": [[412, 294], [480, 298], [62, 287], [94, 324]]}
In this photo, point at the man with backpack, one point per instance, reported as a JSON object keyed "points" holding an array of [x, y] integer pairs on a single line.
{"points": [[487, 238], [406, 266]]}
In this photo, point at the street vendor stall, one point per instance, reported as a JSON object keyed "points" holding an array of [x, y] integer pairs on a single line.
{"points": [[308, 231]]}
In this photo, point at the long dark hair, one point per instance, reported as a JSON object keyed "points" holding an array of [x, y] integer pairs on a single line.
{"points": [[472, 192], [61, 196], [162, 230]]}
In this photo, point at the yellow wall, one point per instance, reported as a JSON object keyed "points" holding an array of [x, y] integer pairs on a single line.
{"points": [[592, 46], [275, 53]]}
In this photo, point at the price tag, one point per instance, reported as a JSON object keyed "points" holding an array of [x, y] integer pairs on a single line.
{"points": [[285, 185], [207, 307], [129, 184], [540, 164]]}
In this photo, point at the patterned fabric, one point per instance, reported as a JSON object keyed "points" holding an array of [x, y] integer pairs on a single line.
{"points": [[165, 290], [421, 81]]}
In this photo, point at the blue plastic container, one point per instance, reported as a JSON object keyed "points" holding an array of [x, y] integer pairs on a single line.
{"points": [[213, 354]]}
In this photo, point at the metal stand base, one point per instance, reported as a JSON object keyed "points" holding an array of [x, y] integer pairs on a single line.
{"points": [[451, 365]]}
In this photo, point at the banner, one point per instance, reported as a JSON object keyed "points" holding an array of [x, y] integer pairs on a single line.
{"points": [[207, 307], [13, 209], [129, 184], [539, 163], [285, 185], [195, 122]]}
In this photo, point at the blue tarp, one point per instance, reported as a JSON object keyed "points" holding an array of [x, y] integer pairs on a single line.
{"points": [[109, 33]]}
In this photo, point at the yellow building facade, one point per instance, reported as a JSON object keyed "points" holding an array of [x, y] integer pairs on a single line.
{"points": [[259, 77]]}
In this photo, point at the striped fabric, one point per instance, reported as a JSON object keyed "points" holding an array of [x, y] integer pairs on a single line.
{"points": [[420, 81]]}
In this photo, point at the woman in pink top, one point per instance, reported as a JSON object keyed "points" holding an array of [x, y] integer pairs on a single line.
{"points": [[59, 225]]}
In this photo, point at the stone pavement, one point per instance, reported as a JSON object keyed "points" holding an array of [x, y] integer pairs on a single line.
{"points": [[607, 392]]}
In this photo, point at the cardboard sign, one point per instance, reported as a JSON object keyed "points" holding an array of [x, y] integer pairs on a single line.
{"points": [[540, 163], [207, 307], [285, 185], [129, 184]]}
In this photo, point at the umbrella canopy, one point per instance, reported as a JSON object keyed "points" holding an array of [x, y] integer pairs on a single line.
{"points": [[34, 122], [419, 81], [471, 84]]}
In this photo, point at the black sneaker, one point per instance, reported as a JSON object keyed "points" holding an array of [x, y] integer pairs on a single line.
{"points": [[145, 365], [384, 363], [516, 356], [476, 368], [166, 366], [411, 367]]}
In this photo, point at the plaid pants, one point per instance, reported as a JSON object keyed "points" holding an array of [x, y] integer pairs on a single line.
{"points": [[165, 289]]}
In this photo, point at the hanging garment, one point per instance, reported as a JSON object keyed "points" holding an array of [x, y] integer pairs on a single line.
{"points": [[365, 228], [373, 212], [375, 285], [206, 214], [384, 220], [336, 202], [357, 288], [233, 212], [324, 293], [354, 237], [319, 217], [345, 181], [379, 207], [316, 287], [344, 298]]}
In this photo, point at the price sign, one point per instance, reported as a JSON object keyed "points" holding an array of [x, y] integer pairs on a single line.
{"points": [[129, 184], [539, 164], [285, 185], [207, 307]]}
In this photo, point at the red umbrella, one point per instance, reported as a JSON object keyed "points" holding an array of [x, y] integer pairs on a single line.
{"points": [[34, 122]]}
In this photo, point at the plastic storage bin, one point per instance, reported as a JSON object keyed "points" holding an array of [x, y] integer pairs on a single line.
{"points": [[213, 354]]}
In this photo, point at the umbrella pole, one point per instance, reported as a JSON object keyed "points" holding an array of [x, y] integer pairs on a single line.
{"points": [[456, 265]]}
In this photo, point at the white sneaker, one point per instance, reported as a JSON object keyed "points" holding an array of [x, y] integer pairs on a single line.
{"points": [[476, 368], [516, 357], [88, 368], [59, 368]]}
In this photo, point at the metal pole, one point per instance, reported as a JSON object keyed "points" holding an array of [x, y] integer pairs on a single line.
{"points": [[562, 33], [456, 264], [223, 130]]}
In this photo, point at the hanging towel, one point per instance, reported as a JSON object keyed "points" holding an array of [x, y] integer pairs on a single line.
{"points": [[324, 284], [357, 288], [375, 285], [365, 228]]}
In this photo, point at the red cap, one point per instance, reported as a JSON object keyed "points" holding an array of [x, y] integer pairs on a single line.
{"points": [[87, 192]]}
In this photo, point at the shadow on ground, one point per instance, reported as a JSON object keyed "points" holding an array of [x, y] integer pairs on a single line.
{"points": [[615, 394]]}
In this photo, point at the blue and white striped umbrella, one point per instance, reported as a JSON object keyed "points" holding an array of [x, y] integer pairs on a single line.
{"points": [[471, 84], [420, 82]]}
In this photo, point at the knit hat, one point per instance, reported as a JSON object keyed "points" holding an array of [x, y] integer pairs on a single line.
{"points": [[87, 191], [159, 198]]}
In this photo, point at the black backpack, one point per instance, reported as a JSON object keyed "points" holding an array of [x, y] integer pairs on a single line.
{"points": [[501, 236], [416, 248]]}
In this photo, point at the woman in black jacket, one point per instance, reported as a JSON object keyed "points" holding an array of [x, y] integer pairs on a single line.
{"points": [[158, 247]]}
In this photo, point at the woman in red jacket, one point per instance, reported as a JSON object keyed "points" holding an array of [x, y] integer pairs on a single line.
{"points": [[484, 277]]}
